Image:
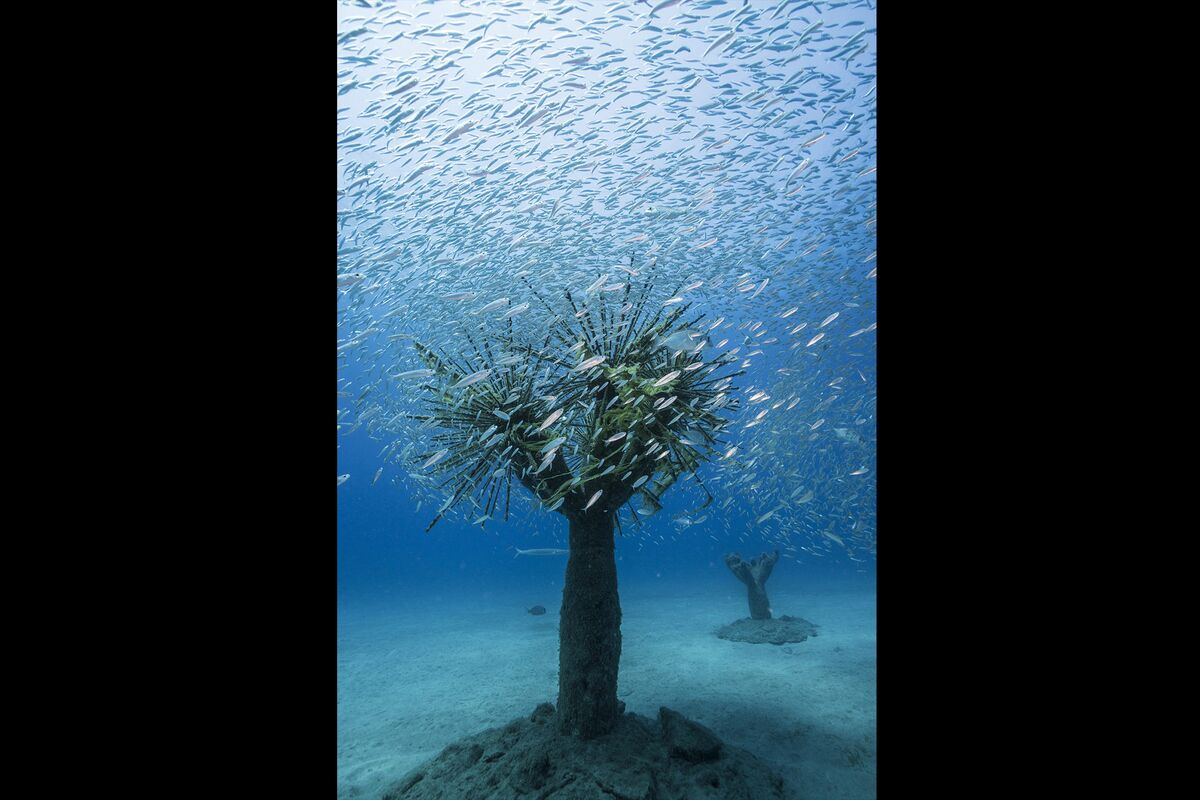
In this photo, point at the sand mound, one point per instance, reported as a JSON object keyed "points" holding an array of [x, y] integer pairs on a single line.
{"points": [[779, 630], [642, 759]]}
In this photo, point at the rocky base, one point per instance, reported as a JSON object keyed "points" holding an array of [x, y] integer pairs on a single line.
{"points": [[641, 759], [780, 630]]}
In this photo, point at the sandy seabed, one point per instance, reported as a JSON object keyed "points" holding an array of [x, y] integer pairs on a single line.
{"points": [[414, 677]]}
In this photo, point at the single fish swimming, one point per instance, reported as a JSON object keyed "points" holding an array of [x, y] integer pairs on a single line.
{"points": [[541, 551]]}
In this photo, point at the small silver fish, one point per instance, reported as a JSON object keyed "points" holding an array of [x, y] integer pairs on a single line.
{"points": [[492, 306], [541, 551]]}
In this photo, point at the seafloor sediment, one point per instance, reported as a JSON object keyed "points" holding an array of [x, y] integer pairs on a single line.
{"points": [[416, 674], [672, 758]]}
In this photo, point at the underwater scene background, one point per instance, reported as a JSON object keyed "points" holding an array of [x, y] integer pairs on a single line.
{"points": [[507, 168]]}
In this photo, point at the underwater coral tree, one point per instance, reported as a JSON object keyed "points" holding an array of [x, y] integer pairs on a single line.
{"points": [[754, 574], [614, 405]]}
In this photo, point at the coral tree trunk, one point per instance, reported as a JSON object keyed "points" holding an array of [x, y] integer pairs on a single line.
{"points": [[760, 606], [589, 631]]}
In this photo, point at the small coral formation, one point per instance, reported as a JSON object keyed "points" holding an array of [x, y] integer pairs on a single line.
{"points": [[754, 574], [671, 758]]}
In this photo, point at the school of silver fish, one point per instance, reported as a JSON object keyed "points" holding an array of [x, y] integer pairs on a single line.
{"points": [[573, 143]]}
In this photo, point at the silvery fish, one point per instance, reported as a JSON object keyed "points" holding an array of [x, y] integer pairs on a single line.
{"points": [[542, 551]]}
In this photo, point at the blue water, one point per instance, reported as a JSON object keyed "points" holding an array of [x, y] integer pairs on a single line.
{"points": [[383, 548], [384, 551]]}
